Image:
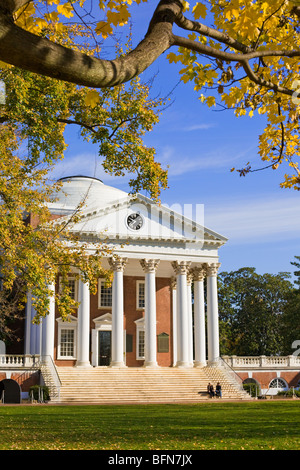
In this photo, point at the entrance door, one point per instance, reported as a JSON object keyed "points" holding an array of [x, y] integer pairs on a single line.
{"points": [[104, 348]]}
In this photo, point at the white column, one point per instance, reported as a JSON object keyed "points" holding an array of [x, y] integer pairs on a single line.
{"points": [[33, 332], [49, 325], [38, 338], [212, 314], [181, 270], [28, 324], [199, 318], [117, 334], [150, 267], [190, 317], [83, 350], [174, 319]]}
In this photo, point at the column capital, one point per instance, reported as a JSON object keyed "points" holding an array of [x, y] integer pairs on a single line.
{"points": [[212, 269], [173, 282], [189, 277], [117, 264], [199, 273], [149, 265], [181, 267]]}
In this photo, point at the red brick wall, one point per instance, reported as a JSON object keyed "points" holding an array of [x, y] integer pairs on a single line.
{"points": [[131, 314], [265, 377]]}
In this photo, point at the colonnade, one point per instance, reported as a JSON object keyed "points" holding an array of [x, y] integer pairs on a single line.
{"points": [[189, 340]]}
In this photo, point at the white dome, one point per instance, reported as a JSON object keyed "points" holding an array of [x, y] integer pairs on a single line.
{"points": [[92, 192]]}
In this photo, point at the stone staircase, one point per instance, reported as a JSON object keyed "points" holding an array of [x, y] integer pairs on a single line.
{"points": [[143, 385]]}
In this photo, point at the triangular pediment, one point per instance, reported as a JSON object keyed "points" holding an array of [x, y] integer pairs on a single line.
{"points": [[106, 319], [139, 218]]}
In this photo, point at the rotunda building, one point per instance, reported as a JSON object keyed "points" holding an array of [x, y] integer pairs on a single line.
{"points": [[147, 317]]}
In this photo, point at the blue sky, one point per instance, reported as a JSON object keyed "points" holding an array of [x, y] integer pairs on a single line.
{"points": [[201, 145]]}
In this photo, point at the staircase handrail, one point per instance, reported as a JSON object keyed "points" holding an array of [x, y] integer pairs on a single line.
{"points": [[231, 371], [48, 361]]}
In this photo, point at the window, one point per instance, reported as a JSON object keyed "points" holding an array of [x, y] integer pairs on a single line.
{"points": [[141, 344], [278, 383], [67, 343], [104, 294], [140, 295], [67, 338], [140, 338], [163, 343], [72, 284]]}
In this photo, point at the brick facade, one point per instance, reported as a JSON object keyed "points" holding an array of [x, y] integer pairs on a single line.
{"points": [[264, 378], [131, 314]]}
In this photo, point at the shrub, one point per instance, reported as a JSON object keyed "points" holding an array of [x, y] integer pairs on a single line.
{"points": [[252, 389], [289, 393], [36, 391]]}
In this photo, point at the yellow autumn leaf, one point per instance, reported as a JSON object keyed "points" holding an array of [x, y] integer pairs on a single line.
{"points": [[65, 10], [92, 98], [104, 29], [185, 5], [199, 11]]}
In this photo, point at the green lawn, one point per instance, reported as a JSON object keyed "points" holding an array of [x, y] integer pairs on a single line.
{"points": [[215, 425]]}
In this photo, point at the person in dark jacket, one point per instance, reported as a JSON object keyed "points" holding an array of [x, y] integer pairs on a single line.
{"points": [[210, 390]]}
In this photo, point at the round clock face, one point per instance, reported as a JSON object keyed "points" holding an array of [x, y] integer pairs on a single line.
{"points": [[135, 221]]}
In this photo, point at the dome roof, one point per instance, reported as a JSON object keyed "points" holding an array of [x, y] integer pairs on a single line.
{"points": [[92, 192]]}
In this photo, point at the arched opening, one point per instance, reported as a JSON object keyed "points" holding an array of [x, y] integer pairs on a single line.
{"points": [[252, 387], [10, 391], [277, 385]]}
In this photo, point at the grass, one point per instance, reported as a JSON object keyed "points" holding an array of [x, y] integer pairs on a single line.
{"points": [[270, 425]]}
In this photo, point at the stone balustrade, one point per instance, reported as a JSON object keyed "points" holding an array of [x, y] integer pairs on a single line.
{"points": [[18, 361], [266, 362]]}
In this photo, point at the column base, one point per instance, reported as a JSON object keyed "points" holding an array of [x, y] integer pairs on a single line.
{"points": [[213, 363], [185, 365], [150, 364], [83, 364], [117, 364], [199, 364]]}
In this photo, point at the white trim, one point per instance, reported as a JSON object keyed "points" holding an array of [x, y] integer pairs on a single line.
{"points": [[138, 283], [70, 278], [100, 282], [140, 327], [70, 325], [102, 323]]}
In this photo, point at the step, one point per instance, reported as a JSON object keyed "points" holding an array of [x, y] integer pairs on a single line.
{"points": [[141, 385]]}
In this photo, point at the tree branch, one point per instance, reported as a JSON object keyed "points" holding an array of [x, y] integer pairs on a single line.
{"points": [[42, 56], [224, 38], [39, 55], [266, 83]]}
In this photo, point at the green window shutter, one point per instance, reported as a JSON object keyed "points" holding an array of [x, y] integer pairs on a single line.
{"points": [[163, 343], [129, 343]]}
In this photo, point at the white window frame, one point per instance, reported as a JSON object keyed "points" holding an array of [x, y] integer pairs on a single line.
{"points": [[140, 328], [100, 283], [70, 278], [63, 325], [138, 283]]}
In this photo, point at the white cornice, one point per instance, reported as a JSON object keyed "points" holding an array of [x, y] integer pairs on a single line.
{"points": [[211, 238]]}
